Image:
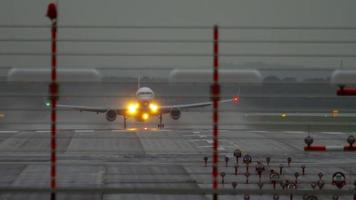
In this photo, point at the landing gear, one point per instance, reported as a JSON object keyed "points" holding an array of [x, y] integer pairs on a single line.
{"points": [[125, 124], [160, 125]]}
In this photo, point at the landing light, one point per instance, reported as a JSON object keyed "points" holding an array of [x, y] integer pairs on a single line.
{"points": [[145, 116], [335, 113], [283, 115], [132, 108], [48, 104], [153, 107]]}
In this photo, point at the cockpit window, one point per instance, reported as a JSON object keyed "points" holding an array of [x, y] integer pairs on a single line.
{"points": [[145, 93]]}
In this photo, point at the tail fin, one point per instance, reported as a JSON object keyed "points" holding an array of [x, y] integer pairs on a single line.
{"points": [[138, 82]]}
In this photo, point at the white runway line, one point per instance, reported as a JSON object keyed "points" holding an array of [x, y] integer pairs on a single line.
{"points": [[258, 131], [84, 131], [142, 130], [221, 148], [236, 145], [209, 141], [163, 130], [118, 130], [332, 133], [9, 131], [196, 140], [228, 146], [202, 136], [196, 132], [43, 131], [294, 132]]}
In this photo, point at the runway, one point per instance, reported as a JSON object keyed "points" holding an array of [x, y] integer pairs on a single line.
{"points": [[160, 159], [94, 153]]}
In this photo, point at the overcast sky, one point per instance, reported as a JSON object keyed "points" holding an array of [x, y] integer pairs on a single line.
{"points": [[180, 12]]}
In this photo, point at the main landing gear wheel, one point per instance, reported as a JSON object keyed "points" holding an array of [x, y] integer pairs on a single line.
{"points": [[125, 124], [160, 125]]}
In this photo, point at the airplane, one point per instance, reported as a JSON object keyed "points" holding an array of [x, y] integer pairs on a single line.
{"points": [[144, 107]]}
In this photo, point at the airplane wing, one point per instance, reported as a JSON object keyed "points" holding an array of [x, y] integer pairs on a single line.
{"points": [[91, 109], [121, 111], [301, 114], [168, 108]]}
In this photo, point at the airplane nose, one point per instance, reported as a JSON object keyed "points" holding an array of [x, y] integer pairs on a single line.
{"points": [[145, 103]]}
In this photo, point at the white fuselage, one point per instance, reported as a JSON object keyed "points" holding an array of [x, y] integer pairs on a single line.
{"points": [[144, 106], [145, 94]]}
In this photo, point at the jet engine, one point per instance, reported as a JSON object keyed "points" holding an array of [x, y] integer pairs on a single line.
{"points": [[111, 115], [175, 113]]}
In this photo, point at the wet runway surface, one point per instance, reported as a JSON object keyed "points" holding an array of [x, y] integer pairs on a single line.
{"points": [[138, 158], [94, 153]]}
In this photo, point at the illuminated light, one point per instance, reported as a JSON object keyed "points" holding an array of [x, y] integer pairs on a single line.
{"points": [[48, 104], [283, 115], [153, 107], [132, 108], [132, 129], [145, 128], [335, 113], [145, 116], [2, 115], [236, 99]]}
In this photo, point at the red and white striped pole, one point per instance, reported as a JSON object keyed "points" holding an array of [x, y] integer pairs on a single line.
{"points": [[53, 89], [215, 95], [329, 148]]}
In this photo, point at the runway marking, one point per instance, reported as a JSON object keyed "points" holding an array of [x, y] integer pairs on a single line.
{"points": [[202, 136], [236, 145], [332, 133], [258, 131], [196, 132], [118, 130], [209, 146], [209, 141], [228, 146], [43, 131], [9, 131], [196, 140], [163, 130], [150, 130], [294, 132], [84, 131]]}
